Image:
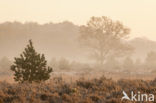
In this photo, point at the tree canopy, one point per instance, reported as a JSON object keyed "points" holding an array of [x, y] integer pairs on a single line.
{"points": [[103, 37], [31, 66]]}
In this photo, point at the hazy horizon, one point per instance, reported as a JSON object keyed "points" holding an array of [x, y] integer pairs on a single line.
{"points": [[138, 15], [77, 51], [59, 38]]}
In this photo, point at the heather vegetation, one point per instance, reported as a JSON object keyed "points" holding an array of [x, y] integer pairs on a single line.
{"points": [[77, 51], [67, 78], [58, 90]]}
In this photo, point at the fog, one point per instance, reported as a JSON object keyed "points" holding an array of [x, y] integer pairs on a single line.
{"points": [[61, 45], [138, 15], [54, 40], [77, 51]]}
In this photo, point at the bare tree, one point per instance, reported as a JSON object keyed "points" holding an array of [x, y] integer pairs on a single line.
{"points": [[104, 37]]}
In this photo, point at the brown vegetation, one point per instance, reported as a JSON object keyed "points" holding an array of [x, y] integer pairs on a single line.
{"points": [[57, 90]]}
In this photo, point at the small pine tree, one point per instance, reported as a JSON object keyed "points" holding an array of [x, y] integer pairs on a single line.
{"points": [[31, 66]]}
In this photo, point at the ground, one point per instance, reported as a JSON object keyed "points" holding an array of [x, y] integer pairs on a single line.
{"points": [[61, 89]]}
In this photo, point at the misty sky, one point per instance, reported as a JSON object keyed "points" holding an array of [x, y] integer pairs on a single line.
{"points": [[139, 15]]}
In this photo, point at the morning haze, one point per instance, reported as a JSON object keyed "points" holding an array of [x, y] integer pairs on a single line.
{"points": [[77, 51], [57, 29], [139, 15]]}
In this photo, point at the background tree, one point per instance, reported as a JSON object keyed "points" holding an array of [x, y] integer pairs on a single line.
{"points": [[128, 64], [5, 64], [103, 37], [150, 60], [31, 66], [63, 64]]}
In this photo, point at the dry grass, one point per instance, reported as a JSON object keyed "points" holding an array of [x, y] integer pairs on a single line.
{"points": [[82, 90]]}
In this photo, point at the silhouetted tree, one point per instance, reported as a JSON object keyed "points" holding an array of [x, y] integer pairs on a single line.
{"points": [[31, 66], [103, 36]]}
